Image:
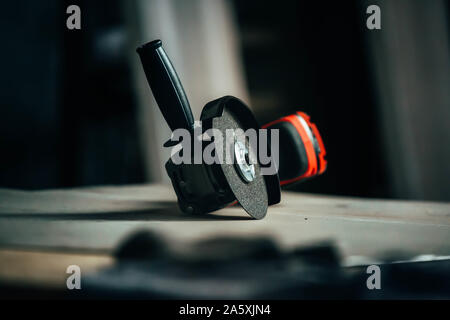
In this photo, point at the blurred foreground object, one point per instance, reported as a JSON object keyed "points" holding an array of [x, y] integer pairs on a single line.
{"points": [[257, 268]]}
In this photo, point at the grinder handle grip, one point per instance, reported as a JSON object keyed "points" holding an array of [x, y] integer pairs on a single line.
{"points": [[166, 86]]}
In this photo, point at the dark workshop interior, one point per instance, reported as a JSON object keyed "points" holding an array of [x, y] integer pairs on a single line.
{"points": [[69, 111], [76, 113]]}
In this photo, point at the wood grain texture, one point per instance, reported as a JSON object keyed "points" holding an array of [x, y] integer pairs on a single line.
{"points": [[97, 220]]}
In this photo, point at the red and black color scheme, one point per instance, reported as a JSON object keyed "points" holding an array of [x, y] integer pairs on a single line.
{"points": [[302, 151]]}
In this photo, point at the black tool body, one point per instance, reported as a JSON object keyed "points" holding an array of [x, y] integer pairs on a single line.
{"points": [[203, 188]]}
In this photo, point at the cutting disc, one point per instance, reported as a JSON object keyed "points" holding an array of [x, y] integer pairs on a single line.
{"points": [[233, 114]]}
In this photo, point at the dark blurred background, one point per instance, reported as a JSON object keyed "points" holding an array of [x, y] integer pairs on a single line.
{"points": [[75, 109]]}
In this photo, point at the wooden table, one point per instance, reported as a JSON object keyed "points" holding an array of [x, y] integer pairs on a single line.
{"points": [[43, 232]]}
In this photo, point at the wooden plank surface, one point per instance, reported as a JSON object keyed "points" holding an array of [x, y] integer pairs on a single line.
{"points": [[97, 220], [43, 232]]}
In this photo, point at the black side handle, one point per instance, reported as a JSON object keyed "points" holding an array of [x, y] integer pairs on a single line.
{"points": [[166, 86]]}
